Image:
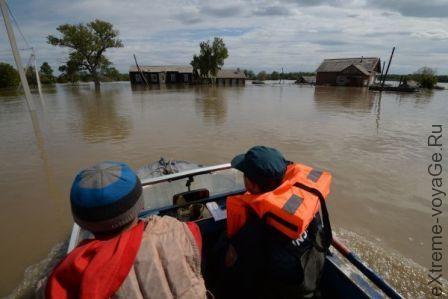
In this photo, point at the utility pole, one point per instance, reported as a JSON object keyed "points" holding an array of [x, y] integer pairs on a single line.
{"points": [[382, 71], [387, 70], [140, 71], [15, 52]]}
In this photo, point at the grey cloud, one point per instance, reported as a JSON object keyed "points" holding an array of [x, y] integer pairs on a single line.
{"points": [[436, 35], [188, 19], [273, 11], [414, 8], [329, 42], [411, 8], [222, 12], [322, 2], [387, 33], [387, 14]]}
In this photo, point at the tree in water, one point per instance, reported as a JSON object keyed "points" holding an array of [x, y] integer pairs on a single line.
{"points": [[69, 72], [9, 77], [249, 74], [110, 73], [46, 74], [426, 77], [30, 74], [275, 75], [210, 59], [88, 43], [262, 76]]}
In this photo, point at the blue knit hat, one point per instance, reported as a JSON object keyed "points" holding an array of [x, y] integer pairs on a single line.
{"points": [[105, 197]]}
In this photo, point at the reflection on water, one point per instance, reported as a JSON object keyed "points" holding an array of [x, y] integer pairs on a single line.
{"points": [[373, 146], [211, 104], [100, 117], [160, 87], [420, 98], [348, 99]]}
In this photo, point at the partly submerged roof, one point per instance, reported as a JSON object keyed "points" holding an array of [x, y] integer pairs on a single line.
{"points": [[364, 64], [309, 79], [356, 68], [224, 73], [231, 74], [163, 68]]}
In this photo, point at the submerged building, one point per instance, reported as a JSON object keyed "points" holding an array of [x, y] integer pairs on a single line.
{"points": [[161, 74], [230, 77], [306, 80], [348, 71], [181, 74]]}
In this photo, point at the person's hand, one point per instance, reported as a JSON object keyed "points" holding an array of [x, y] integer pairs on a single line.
{"points": [[231, 256]]}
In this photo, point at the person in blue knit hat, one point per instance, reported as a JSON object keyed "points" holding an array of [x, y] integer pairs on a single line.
{"points": [[157, 257], [106, 197]]}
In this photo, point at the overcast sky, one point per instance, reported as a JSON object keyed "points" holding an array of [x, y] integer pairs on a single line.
{"points": [[260, 35]]}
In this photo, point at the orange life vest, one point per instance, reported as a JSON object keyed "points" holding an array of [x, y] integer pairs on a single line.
{"points": [[289, 208]]}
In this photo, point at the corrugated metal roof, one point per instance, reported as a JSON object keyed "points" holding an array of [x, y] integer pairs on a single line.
{"points": [[231, 74], [364, 64], [163, 68]]}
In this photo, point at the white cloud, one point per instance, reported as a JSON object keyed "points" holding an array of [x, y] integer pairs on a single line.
{"points": [[295, 34]]}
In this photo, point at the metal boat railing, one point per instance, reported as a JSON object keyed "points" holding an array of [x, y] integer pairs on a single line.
{"points": [[185, 174]]}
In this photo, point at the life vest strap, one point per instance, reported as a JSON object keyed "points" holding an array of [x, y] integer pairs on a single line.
{"points": [[328, 233], [280, 220]]}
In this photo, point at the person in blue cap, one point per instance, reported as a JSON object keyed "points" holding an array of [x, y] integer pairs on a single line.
{"points": [[275, 242], [157, 257]]}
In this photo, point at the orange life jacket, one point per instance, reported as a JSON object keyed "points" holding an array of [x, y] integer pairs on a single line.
{"points": [[289, 208]]}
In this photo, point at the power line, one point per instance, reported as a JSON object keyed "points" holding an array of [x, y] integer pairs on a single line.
{"points": [[17, 25], [9, 51]]}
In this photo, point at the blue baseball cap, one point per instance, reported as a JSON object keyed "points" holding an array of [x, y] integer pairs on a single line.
{"points": [[261, 163], [106, 196]]}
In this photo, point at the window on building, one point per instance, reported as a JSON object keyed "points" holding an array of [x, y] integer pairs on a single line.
{"points": [[138, 78], [186, 79], [173, 77], [154, 78]]}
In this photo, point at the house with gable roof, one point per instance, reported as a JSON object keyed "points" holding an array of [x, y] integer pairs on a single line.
{"points": [[360, 71]]}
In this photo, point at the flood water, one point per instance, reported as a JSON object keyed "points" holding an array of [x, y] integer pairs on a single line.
{"points": [[375, 147]]}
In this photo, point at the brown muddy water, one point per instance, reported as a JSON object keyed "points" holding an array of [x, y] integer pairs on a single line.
{"points": [[376, 148]]}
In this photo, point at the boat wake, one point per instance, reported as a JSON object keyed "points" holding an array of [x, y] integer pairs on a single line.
{"points": [[408, 277], [34, 273]]}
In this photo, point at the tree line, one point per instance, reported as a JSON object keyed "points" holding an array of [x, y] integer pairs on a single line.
{"points": [[263, 75], [86, 61], [9, 76], [396, 77], [425, 76]]}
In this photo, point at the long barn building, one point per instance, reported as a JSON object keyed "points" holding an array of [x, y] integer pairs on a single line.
{"points": [[181, 74], [348, 71], [161, 74]]}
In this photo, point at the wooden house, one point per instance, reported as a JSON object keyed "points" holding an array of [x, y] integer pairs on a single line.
{"points": [[230, 77], [162, 74], [348, 71]]}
